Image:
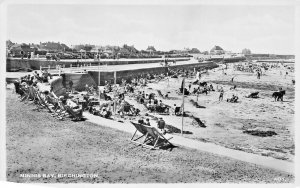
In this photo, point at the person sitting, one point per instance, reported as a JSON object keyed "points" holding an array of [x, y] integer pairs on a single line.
{"points": [[155, 102], [233, 88], [147, 122], [141, 121], [150, 107], [142, 100], [211, 88], [253, 95], [105, 113], [136, 111], [176, 110], [106, 97], [233, 99], [151, 96], [195, 91], [121, 96]]}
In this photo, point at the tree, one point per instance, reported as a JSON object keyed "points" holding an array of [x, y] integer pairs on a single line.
{"points": [[205, 52], [194, 51], [246, 51]]}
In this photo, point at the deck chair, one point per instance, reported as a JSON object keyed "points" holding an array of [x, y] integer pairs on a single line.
{"points": [[60, 111], [25, 95], [143, 138], [177, 110], [160, 94], [76, 115], [127, 109], [253, 95], [31, 93], [158, 139], [42, 102]]}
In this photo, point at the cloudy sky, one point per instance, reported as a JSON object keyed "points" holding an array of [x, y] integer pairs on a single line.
{"points": [[263, 29]]}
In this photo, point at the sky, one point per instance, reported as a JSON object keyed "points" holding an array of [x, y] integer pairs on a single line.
{"points": [[262, 29]]}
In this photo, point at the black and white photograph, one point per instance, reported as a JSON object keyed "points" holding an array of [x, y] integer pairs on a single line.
{"points": [[149, 92]]}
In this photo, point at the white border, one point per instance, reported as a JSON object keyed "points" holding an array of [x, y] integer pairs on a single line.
{"points": [[3, 7]]}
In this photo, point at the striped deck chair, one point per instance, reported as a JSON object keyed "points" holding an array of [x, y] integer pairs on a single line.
{"points": [[42, 102], [25, 95], [153, 139], [77, 116], [60, 111], [159, 139], [143, 138]]}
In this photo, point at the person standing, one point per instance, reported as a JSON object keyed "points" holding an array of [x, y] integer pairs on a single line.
{"points": [[258, 75], [71, 86], [286, 73], [221, 94], [161, 125]]}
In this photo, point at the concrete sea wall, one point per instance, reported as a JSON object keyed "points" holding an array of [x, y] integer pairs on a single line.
{"points": [[35, 64], [129, 74]]}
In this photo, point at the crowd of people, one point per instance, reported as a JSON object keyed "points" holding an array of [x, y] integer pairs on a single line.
{"points": [[28, 89]]}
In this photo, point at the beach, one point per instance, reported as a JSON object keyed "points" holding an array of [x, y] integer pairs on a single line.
{"points": [[39, 144]]}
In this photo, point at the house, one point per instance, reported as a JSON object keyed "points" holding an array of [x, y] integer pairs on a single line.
{"points": [[151, 49], [22, 49], [217, 50]]}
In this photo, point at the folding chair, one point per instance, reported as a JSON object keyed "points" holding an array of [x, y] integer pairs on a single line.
{"points": [[153, 139], [142, 130], [42, 102], [76, 115], [60, 111], [158, 139]]}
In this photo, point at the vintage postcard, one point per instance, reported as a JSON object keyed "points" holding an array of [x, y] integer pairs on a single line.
{"points": [[149, 92]]}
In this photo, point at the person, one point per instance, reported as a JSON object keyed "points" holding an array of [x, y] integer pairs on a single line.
{"points": [[87, 88], [161, 125], [286, 73], [221, 94], [161, 104], [71, 86], [190, 85], [176, 110], [147, 122], [211, 88], [141, 120], [258, 75], [155, 102]]}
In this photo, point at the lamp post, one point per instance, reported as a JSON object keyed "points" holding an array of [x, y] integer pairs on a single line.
{"points": [[99, 82]]}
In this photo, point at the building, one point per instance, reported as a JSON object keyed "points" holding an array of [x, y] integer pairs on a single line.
{"points": [[217, 50], [17, 50]]}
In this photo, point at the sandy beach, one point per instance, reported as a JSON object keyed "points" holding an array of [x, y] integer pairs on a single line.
{"points": [[226, 121]]}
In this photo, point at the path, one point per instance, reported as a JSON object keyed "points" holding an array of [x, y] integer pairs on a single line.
{"points": [[207, 147]]}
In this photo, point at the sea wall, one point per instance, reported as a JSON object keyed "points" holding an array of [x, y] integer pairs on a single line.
{"points": [[129, 74], [79, 80], [35, 64]]}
